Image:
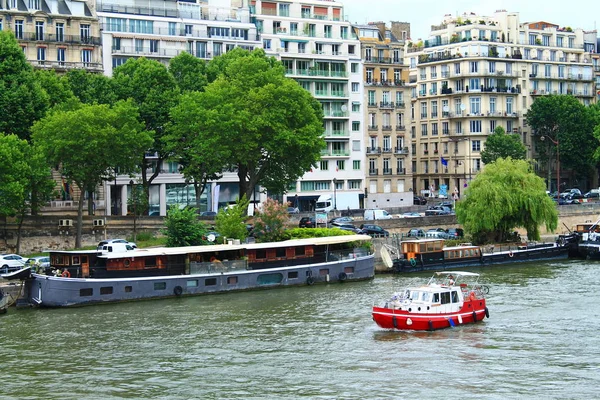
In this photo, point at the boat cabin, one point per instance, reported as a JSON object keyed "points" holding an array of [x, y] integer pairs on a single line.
{"points": [[433, 250]]}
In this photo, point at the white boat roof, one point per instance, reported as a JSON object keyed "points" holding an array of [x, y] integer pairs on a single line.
{"points": [[457, 273], [157, 251]]}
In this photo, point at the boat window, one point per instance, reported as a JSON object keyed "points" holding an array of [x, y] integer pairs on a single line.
{"points": [[324, 271], [445, 297], [160, 285], [454, 296], [300, 251], [430, 246], [349, 270], [261, 254], [232, 280], [128, 289], [426, 296], [460, 253], [106, 290], [280, 252], [293, 275], [414, 295], [150, 262], [210, 282], [86, 292], [422, 248], [477, 252], [75, 260], [436, 298], [192, 283]]}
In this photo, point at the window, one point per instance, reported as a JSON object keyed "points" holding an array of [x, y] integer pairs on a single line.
{"points": [[355, 126], [154, 46], [475, 103], [136, 26], [340, 166], [60, 32], [475, 126], [172, 28], [41, 55], [355, 87], [351, 49], [139, 45], [354, 184], [492, 105], [116, 43], [356, 164], [356, 145], [354, 68], [476, 145], [84, 32], [509, 105], [86, 57], [60, 56], [34, 4], [355, 107], [39, 30], [284, 10], [423, 129], [423, 109], [324, 165]]}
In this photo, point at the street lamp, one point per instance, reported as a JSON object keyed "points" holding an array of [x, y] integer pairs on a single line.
{"points": [[134, 201], [334, 194], [555, 142]]}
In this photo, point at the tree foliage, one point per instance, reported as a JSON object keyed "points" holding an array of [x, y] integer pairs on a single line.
{"points": [[88, 143], [22, 99], [231, 221], [565, 121], [504, 196], [189, 72], [274, 124], [183, 227], [502, 145], [91, 88], [269, 225]]}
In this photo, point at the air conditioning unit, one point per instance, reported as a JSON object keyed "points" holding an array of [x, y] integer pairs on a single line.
{"points": [[98, 222], [65, 222]]}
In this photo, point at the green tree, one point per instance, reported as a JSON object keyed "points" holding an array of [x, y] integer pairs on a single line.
{"points": [[501, 145], [230, 222], [270, 224], [91, 88], [86, 144], [504, 196], [21, 170], [189, 72], [58, 90], [567, 127], [22, 99], [273, 126], [183, 227]]}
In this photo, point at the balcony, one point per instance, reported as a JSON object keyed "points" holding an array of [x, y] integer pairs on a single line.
{"points": [[401, 150], [386, 127], [385, 104], [335, 153], [65, 66], [336, 133], [400, 104], [372, 104], [67, 39], [400, 127], [373, 171], [372, 127], [373, 150], [386, 150], [401, 171], [387, 171]]}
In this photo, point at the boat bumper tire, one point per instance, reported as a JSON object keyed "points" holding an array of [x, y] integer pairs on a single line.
{"points": [[342, 276], [178, 290], [310, 281]]}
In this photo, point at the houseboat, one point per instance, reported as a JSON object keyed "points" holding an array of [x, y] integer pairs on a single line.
{"points": [[432, 254], [587, 241], [450, 298], [78, 278]]}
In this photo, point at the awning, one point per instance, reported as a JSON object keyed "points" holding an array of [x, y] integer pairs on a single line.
{"points": [[294, 40]]}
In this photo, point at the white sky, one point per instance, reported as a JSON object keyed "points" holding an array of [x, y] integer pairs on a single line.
{"points": [[422, 14]]}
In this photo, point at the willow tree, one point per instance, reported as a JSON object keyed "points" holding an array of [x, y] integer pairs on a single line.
{"points": [[504, 196]]}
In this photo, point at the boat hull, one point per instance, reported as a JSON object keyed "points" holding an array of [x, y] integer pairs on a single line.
{"points": [[49, 291], [470, 312]]}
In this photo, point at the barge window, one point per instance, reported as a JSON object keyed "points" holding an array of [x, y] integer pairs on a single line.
{"points": [[300, 251], [293, 275], [436, 298], [76, 260], [86, 292], [445, 297], [349, 270], [210, 282], [232, 280], [160, 285], [106, 290], [454, 296], [280, 252], [192, 283], [128, 289], [261, 254], [150, 262], [324, 271]]}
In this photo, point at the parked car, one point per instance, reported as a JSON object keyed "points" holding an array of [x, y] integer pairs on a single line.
{"points": [[416, 232], [111, 241], [11, 262], [573, 198], [41, 261], [436, 235], [410, 215], [438, 210], [340, 220], [374, 230], [293, 210], [419, 200], [208, 214], [307, 222], [436, 230], [449, 204], [592, 194], [371, 214], [348, 227], [455, 233], [570, 191]]}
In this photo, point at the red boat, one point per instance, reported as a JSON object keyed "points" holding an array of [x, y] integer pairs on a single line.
{"points": [[450, 298]]}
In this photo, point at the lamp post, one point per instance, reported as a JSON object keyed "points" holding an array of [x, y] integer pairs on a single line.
{"points": [[134, 201], [556, 143], [334, 194]]}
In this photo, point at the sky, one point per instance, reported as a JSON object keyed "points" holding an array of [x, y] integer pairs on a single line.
{"points": [[422, 14]]}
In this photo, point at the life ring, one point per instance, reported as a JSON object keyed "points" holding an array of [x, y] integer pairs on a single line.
{"points": [[413, 262], [66, 274], [510, 254], [178, 290], [472, 296], [310, 281], [342, 276]]}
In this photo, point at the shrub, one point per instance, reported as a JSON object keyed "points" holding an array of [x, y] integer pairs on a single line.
{"points": [[231, 221], [270, 224], [183, 227]]}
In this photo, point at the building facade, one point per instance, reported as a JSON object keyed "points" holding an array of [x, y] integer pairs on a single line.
{"points": [[475, 73], [387, 148], [55, 34]]}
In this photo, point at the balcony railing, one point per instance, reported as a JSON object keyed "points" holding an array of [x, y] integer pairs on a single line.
{"points": [[373, 171], [387, 171], [337, 133], [386, 127], [372, 127], [68, 39], [386, 150], [401, 171], [386, 104], [401, 150], [400, 127], [373, 150], [63, 65]]}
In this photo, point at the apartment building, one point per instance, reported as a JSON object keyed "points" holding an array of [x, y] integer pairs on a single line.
{"points": [[387, 147], [475, 73], [319, 49], [54, 34]]}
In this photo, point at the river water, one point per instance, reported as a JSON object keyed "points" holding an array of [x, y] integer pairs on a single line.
{"points": [[541, 341]]}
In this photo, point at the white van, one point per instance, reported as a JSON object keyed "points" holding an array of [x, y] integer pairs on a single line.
{"points": [[372, 214]]}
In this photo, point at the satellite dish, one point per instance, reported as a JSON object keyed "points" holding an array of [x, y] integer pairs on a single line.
{"points": [[446, 109], [344, 108], [463, 107], [211, 238]]}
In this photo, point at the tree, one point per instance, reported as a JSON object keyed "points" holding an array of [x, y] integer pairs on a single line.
{"points": [[21, 170], [58, 89], [273, 126], [189, 72], [183, 227], [504, 196], [501, 145], [564, 120], [22, 99], [269, 225], [154, 91], [231, 221], [88, 143], [91, 88]]}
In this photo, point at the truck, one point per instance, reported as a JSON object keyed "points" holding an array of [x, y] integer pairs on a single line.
{"points": [[339, 201]]}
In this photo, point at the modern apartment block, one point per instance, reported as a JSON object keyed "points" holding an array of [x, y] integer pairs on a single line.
{"points": [[387, 145], [319, 49], [475, 73], [55, 34]]}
